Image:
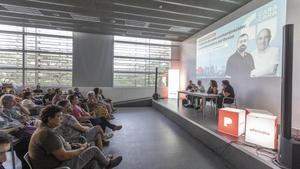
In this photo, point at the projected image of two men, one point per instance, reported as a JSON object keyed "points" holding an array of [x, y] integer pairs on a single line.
{"points": [[247, 47]]}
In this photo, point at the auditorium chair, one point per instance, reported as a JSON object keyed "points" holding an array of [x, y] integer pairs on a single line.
{"points": [[26, 158]]}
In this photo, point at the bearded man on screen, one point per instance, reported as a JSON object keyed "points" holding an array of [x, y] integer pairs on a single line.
{"points": [[240, 64]]}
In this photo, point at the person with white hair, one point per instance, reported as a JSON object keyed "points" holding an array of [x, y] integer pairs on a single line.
{"points": [[266, 58]]}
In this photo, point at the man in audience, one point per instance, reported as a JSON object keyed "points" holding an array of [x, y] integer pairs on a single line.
{"points": [[47, 99], [78, 94], [5, 140], [240, 64], [227, 92], [48, 150], [38, 90], [83, 116], [71, 130], [102, 101]]}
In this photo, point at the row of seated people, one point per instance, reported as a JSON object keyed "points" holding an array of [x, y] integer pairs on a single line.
{"points": [[227, 92], [62, 133]]}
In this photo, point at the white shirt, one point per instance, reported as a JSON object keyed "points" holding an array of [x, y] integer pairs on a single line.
{"points": [[265, 62]]}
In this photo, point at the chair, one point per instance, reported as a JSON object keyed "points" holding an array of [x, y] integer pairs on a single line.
{"points": [[26, 158], [233, 104]]}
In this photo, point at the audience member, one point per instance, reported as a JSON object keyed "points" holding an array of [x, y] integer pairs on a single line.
{"points": [[14, 120], [71, 130], [101, 100], [38, 90], [83, 116], [78, 94], [47, 99], [98, 109], [228, 92], [27, 102], [5, 140], [48, 150], [57, 97]]}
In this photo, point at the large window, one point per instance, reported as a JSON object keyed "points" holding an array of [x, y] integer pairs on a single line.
{"points": [[29, 56], [135, 60]]}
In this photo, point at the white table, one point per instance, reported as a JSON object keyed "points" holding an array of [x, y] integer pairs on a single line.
{"points": [[204, 96]]}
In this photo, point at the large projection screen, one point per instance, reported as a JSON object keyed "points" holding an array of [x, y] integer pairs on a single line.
{"points": [[249, 46]]}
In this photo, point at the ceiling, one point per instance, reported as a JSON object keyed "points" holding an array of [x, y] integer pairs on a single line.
{"points": [[159, 19]]}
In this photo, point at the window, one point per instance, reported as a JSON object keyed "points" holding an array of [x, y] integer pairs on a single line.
{"points": [[135, 60], [32, 55]]}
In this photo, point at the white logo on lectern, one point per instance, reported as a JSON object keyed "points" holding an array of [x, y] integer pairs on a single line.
{"points": [[227, 121]]}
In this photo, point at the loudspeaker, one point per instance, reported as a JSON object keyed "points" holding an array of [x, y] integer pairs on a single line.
{"points": [[289, 150], [155, 96]]}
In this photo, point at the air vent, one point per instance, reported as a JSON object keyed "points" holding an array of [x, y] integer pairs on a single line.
{"points": [[134, 32], [153, 34], [56, 14], [159, 26], [136, 23], [181, 29], [171, 37], [85, 18], [21, 9]]}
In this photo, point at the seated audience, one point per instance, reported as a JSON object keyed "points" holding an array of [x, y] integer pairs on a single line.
{"points": [[38, 90], [48, 150], [70, 91], [57, 97], [5, 140], [101, 100], [47, 99], [71, 130], [14, 120], [30, 105], [227, 91], [96, 108], [78, 94], [106, 99], [83, 116]]}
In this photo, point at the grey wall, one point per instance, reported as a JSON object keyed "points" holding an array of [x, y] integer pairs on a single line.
{"points": [[92, 60], [259, 93]]}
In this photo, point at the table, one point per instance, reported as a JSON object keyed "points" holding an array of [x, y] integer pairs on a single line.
{"points": [[204, 96]]}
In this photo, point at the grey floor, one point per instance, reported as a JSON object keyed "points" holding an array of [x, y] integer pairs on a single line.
{"points": [[151, 141]]}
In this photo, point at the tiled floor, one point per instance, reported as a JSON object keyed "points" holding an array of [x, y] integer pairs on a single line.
{"points": [[149, 140]]}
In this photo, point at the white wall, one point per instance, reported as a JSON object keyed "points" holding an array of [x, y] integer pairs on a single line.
{"points": [[259, 93], [293, 13]]}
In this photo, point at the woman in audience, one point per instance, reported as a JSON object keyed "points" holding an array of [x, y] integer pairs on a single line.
{"points": [[57, 97], [83, 116], [72, 130], [101, 100], [48, 150], [96, 108], [14, 120], [38, 90], [228, 92]]}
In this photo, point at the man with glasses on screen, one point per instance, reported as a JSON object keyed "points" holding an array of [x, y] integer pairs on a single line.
{"points": [[266, 58], [240, 64]]}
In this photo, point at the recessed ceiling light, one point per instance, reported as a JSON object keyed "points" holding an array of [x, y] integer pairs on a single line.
{"points": [[160, 6]]}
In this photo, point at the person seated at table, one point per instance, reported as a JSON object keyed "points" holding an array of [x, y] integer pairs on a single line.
{"points": [[227, 91], [83, 116], [38, 90], [48, 150], [189, 98], [200, 87], [72, 130], [5, 141], [14, 120], [58, 96]]}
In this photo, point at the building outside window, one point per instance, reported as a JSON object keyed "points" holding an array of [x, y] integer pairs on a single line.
{"points": [[33, 55], [135, 60]]}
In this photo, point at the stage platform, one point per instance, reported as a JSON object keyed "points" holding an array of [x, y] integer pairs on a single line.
{"points": [[203, 126]]}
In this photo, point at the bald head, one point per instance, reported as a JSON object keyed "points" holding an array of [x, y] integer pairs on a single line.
{"points": [[263, 39]]}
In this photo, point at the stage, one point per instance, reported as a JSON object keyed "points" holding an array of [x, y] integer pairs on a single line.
{"points": [[203, 126]]}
